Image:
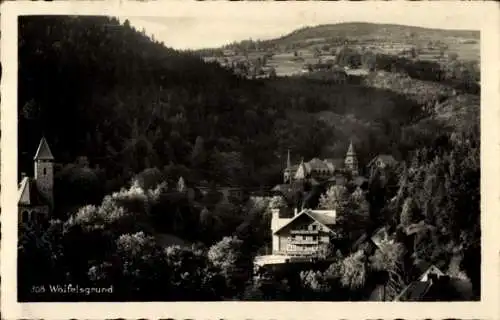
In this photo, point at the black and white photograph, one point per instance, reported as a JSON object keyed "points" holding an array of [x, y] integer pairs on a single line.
{"points": [[325, 156]]}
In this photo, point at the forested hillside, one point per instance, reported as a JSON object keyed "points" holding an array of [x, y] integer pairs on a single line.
{"points": [[110, 93], [133, 125], [107, 92]]}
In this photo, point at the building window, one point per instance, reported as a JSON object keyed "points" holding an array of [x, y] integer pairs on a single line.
{"points": [[314, 227], [303, 237], [44, 171]]}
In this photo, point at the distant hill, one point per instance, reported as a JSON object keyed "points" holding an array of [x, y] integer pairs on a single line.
{"points": [[389, 38], [373, 31]]}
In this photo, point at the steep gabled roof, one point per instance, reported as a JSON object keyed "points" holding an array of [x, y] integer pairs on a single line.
{"points": [[325, 217], [28, 194], [432, 269], [415, 291], [43, 152], [24, 191], [301, 172], [444, 289]]}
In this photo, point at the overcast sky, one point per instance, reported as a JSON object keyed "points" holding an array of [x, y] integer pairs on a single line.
{"points": [[212, 24]]}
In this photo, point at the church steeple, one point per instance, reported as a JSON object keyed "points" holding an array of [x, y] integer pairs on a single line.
{"points": [[287, 173], [44, 171], [351, 161], [350, 150], [288, 161]]}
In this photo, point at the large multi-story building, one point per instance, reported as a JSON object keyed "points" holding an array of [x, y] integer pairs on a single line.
{"points": [[322, 170], [307, 233]]}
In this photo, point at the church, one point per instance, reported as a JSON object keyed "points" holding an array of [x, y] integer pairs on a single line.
{"points": [[36, 194], [326, 169], [326, 172], [306, 233]]}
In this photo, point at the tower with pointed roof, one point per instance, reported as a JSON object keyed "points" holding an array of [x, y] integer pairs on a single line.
{"points": [[44, 171], [351, 160], [288, 172], [36, 194]]}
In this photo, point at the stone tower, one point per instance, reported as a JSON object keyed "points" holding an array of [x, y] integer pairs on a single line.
{"points": [[44, 172], [351, 161]]}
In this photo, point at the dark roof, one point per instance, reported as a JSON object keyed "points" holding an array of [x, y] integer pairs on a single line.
{"points": [[321, 216], [386, 158], [421, 266], [43, 152], [29, 195], [415, 291], [444, 289]]}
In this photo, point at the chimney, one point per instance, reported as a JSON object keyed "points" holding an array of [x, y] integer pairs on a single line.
{"points": [[275, 219], [295, 211]]}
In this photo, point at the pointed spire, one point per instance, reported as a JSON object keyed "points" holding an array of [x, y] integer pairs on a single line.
{"points": [[350, 150], [288, 161], [43, 152]]}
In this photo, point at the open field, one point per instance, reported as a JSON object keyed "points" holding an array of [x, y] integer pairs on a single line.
{"points": [[291, 52]]}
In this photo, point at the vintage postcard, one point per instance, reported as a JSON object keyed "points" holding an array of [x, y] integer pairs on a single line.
{"points": [[250, 160]]}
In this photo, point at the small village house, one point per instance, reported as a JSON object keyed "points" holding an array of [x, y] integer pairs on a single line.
{"points": [[307, 233]]}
